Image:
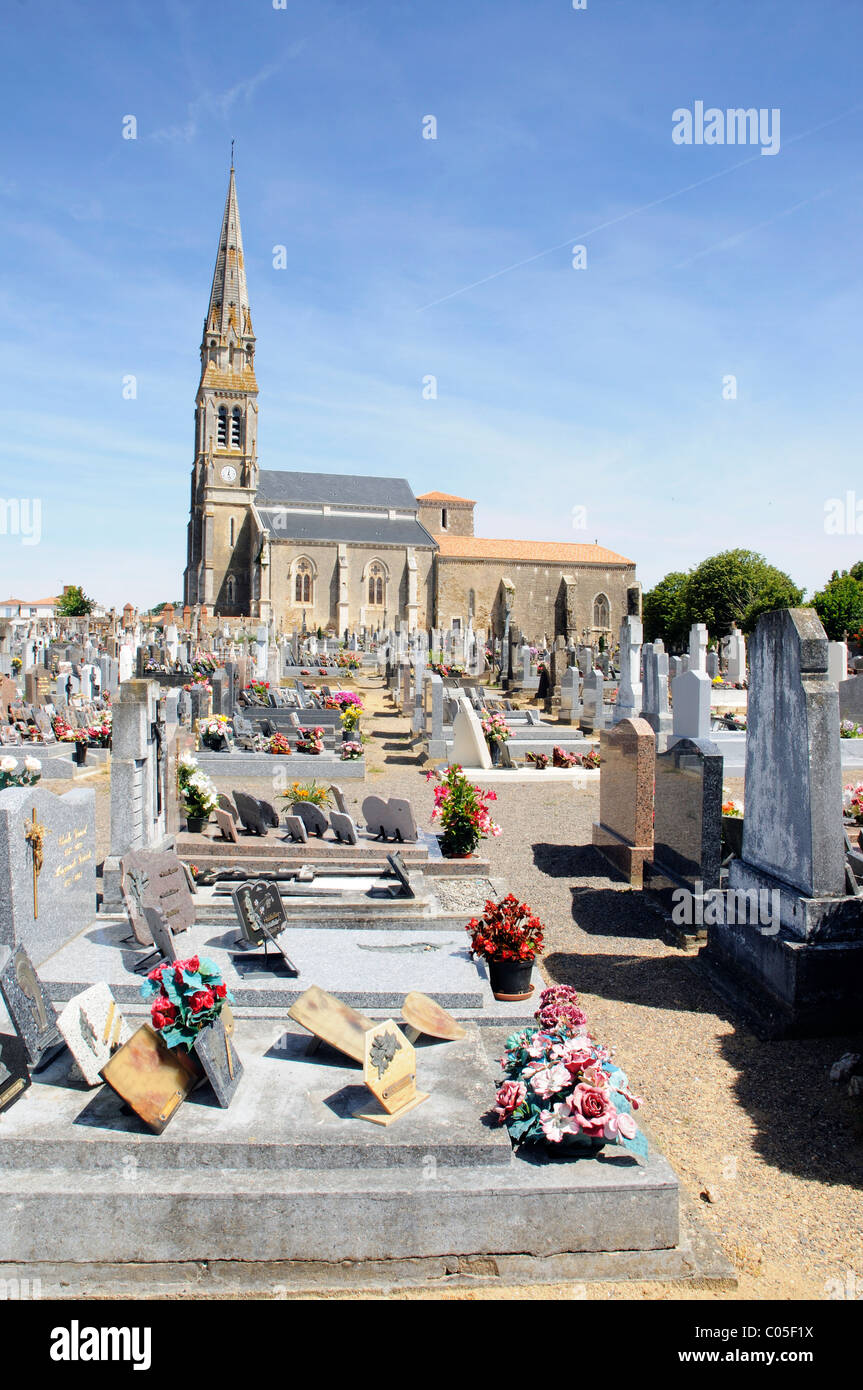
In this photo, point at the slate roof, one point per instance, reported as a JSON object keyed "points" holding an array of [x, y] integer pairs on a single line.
{"points": [[358, 530], [338, 489], [538, 552]]}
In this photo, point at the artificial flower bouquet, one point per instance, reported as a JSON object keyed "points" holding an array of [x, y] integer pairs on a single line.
{"points": [[310, 741], [187, 996], [560, 758], [852, 803], [590, 759], [539, 760], [730, 807], [197, 792], [495, 730], [562, 1089], [849, 729], [279, 744], [308, 791], [259, 688], [462, 810], [351, 750], [13, 776]]}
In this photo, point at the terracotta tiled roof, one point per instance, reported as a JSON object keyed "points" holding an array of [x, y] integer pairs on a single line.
{"points": [[445, 497], [28, 602], [540, 552]]}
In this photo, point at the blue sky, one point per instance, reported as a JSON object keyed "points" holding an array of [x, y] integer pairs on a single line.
{"points": [[558, 388]]}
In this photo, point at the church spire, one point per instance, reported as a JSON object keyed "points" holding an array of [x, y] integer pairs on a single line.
{"points": [[229, 296]]}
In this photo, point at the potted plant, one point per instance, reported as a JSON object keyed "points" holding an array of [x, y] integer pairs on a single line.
{"points": [[496, 732], [82, 743], [509, 937], [279, 744], [213, 732], [351, 750], [462, 810], [11, 776], [305, 794], [562, 1090], [539, 760], [197, 793]]}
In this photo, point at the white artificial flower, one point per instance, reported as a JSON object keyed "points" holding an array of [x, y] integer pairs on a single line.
{"points": [[32, 764], [7, 764]]}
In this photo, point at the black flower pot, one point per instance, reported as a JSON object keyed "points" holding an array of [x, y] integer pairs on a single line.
{"points": [[80, 754], [195, 824], [510, 979]]}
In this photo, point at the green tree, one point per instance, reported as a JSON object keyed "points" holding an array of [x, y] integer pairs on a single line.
{"points": [[856, 571], [839, 604], [737, 586], [664, 609], [74, 603]]}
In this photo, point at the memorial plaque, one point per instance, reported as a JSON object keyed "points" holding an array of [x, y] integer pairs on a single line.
{"points": [[262, 916], [151, 1078], [332, 1021], [339, 798], [424, 1015], [312, 816], [390, 1072], [14, 1073], [225, 822], [343, 828], [156, 878], [30, 1009], [216, 1054], [94, 1028], [296, 828], [397, 864]]}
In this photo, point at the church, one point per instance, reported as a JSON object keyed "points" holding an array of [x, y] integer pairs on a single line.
{"points": [[343, 552]]}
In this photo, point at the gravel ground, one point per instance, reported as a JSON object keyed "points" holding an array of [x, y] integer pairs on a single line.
{"points": [[770, 1152]]}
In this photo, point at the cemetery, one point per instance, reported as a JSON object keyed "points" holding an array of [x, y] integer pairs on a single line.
{"points": [[324, 989]]}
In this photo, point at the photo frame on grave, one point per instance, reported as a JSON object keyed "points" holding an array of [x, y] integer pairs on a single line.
{"points": [[331, 1021], [220, 1060], [151, 1078], [263, 919], [14, 1072], [94, 1028], [29, 1007], [390, 1072]]}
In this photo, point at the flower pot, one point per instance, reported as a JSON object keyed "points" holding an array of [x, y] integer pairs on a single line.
{"points": [[510, 979], [80, 754], [195, 824], [494, 749]]}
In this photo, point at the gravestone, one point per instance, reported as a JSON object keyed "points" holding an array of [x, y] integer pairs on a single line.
{"points": [[655, 695], [339, 798], [469, 746], [29, 1007], [851, 699], [139, 780], [249, 810], [807, 967], [734, 650], [712, 665], [93, 1027], [156, 879], [592, 710], [313, 818], [47, 867], [690, 691], [687, 830], [433, 705], [629, 694], [296, 828], [225, 822], [570, 709], [837, 662], [624, 832]]}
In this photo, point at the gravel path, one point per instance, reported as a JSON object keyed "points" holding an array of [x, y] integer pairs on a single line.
{"points": [[770, 1152]]}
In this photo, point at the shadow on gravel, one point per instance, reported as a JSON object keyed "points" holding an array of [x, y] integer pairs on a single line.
{"points": [[598, 910], [802, 1124], [660, 982]]}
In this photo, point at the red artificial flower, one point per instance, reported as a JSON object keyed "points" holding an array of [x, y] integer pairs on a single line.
{"points": [[202, 1001]]}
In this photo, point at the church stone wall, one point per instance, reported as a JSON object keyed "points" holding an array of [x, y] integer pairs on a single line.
{"points": [[536, 593], [323, 611]]}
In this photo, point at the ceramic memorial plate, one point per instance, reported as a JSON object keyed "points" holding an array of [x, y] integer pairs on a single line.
{"points": [[332, 1021], [151, 1078], [216, 1053], [29, 1007], [426, 1016], [94, 1028], [390, 1072]]}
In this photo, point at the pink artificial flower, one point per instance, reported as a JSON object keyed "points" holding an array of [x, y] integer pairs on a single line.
{"points": [[574, 1055], [510, 1095], [558, 1121], [622, 1125], [549, 1080], [593, 1108], [594, 1076]]}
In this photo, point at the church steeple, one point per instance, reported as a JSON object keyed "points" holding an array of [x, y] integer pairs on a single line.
{"points": [[225, 473], [228, 344]]}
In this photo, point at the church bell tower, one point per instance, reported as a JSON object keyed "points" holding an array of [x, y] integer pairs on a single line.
{"points": [[225, 474]]}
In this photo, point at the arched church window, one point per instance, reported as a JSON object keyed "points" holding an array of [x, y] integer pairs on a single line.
{"points": [[303, 582], [231, 531], [601, 611], [231, 590], [222, 427], [471, 603], [236, 428], [376, 584]]}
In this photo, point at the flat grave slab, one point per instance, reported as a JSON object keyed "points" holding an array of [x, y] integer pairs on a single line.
{"points": [[284, 1174], [237, 766], [366, 968]]}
